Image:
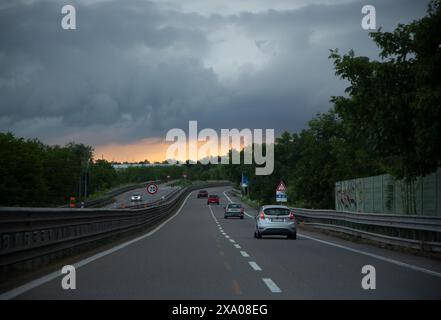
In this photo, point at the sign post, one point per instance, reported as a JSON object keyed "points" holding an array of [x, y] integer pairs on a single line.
{"points": [[244, 184], [281, 193]]}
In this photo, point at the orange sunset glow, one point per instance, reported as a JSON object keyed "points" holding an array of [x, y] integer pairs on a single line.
{"points": [[152, 149]]}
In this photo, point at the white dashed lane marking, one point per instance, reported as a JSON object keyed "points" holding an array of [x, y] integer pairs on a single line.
{"points": [[255, 266], [271, 285], [268, 282]]}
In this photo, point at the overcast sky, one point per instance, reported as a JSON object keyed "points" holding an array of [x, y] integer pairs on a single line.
{"points": [[135, 69]]}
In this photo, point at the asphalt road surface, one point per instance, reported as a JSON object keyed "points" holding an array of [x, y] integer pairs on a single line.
{"points": [[123, 200], [198, 255]]}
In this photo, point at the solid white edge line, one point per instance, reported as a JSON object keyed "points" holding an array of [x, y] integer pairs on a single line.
{"points": [[255, 266], [250, 216], [51, 276], [211, 210], [375, 256], [372, 255], [228, 198], [271, 285]]}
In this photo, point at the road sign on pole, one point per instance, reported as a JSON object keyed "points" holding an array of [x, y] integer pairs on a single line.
{"points": [[281, 192], [244, 181], [152, 188]]}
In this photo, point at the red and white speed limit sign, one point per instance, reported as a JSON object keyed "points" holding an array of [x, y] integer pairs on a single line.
{"points": [[152, 188]]}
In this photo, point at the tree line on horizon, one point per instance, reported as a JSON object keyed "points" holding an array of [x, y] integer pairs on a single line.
{"points": [[389, 121], [36, 174]]}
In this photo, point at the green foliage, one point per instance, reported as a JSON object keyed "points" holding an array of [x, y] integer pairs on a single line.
{"points": [[309, 162], [395, 103], [34, 174], [21, 171], [389, 121], [142, 174], [102, 176]]}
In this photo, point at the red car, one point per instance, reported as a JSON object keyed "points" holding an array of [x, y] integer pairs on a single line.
{"points": [[202, 194], [213, 198]]}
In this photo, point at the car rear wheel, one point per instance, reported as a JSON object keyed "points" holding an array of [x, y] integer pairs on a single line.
{"points": [[293, 236], [257, 235], [225, 217], [241, 217]]}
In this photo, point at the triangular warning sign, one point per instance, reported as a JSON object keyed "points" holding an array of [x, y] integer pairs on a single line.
{"points": [[281, 186]]}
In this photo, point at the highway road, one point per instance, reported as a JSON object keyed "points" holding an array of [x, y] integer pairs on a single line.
{"points": [[196, 254], [123, 200]]}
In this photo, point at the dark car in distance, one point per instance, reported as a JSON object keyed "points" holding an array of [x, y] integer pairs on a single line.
{"points": [[203, 194]]}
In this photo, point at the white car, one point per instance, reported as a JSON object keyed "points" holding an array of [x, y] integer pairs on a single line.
{"points": [[136, 197], [275, 220]]}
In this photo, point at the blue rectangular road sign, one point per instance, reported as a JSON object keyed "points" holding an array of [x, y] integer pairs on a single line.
{"points": [[281, 196], [244, 181]]}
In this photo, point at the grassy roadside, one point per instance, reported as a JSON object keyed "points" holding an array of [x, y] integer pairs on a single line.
{"points": [[252, 203], [102, 193], [180, 183]]}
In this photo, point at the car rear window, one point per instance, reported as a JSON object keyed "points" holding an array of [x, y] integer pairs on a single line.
{"points": [[234, 206], [213, 196], [276, 212]]}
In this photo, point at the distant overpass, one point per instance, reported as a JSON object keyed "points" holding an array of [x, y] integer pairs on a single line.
{"points": [[141, 165]]}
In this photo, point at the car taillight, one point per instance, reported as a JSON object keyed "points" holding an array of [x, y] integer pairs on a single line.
{"points": [[262, 216], [291, 216]]}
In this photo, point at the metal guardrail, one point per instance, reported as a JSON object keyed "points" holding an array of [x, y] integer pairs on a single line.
{"points": [[156, 202], [409, 231], [417, 232], [34, 236], [109, 197]]}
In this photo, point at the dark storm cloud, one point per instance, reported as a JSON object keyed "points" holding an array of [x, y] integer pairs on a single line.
{"points": [[135, 69]]}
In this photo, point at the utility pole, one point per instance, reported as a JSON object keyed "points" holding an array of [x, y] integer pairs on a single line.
{"points": [[85, 179]]}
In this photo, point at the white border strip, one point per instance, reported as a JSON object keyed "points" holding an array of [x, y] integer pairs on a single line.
{"points": [[271, 285], [255, 266], [51, 276], [375, 256], [372, 255]]}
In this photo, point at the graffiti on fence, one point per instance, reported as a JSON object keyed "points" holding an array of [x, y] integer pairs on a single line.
{"points": [[349, 195]]}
